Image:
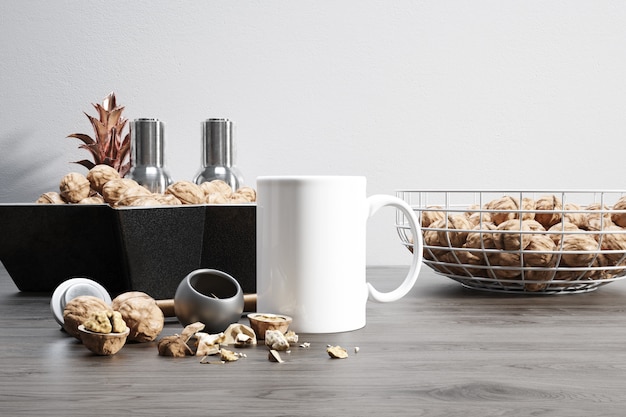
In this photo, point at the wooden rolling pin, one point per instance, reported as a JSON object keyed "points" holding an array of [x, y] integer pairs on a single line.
{"points": [[167, 306]]}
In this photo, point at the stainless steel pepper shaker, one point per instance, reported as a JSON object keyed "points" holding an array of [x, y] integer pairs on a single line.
{"points": [[218, 154], [147, 154]]}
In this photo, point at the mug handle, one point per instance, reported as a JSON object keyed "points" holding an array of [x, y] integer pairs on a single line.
{"points": [[375, 203]]}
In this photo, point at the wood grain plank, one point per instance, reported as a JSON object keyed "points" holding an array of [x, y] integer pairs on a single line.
{"points": [[441, 351]]}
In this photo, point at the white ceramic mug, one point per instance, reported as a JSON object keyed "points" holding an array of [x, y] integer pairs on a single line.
{"points": [[311, 250]]}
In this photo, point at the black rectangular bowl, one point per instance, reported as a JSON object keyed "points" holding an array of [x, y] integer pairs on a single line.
{"points": [[149, 249]]}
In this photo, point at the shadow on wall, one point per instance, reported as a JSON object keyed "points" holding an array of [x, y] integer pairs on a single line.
{"points": [[28, 168]]}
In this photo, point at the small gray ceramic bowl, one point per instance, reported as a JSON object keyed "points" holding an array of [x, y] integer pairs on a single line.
{"points": [[211, 297]]}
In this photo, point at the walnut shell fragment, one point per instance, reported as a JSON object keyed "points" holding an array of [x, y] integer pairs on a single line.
{"points": [[103, 344], [208, 344], [274, 356], [142, 315], [228, 356], [276, 340], [239, 334], [174, 346], [337, 352]]}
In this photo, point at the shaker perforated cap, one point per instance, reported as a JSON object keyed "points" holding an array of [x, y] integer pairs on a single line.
{"points": [[147, 141], [217, 142]]}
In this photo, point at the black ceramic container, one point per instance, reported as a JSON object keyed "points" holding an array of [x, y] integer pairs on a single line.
{"points": [[139, 249]]}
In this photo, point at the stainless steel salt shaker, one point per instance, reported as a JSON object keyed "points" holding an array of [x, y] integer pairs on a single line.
{"points": [[147, 158], [218, 154]]}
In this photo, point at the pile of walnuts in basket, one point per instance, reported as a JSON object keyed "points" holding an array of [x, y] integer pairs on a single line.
{"points": [[542, 238], [103, 184]]}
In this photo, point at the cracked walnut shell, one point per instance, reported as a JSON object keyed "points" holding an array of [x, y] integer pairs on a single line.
{"points": [[80, 309]]}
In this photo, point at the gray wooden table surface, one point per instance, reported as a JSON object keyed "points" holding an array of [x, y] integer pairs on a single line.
{"points": [[441, 351]]}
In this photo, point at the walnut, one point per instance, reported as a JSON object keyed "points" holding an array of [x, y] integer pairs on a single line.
{"points": [[619, 218], [99, 322], [218, 199], [534, 225], [469, 257], [502, 207], [187, 192], [541, 251], [118, 325], [100, 175], [614, 240], [140, 201], [528, 205], [141, 314], [557, 231], [480, 239], [508, 264], [216, 187], [105, 321], [479, 217], [548, 203], [78, 310], [544, 276], [137, 196], [237, 198], [584, 247], [431, 215], [96, 199], [431, 238], [167, 199], [248, 193], [598, 217], [50, 198], [506, 237], [450, 237], [74, 187], [574, 215], [113, 190]]}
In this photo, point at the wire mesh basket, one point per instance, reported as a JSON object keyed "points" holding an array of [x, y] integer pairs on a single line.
{"points": [[531, 242]]}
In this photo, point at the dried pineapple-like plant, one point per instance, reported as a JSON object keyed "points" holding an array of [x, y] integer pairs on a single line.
{"points": [[109, 146]]}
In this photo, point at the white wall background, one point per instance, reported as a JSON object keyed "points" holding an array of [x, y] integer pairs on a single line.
{"points": [[424, 94]]}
